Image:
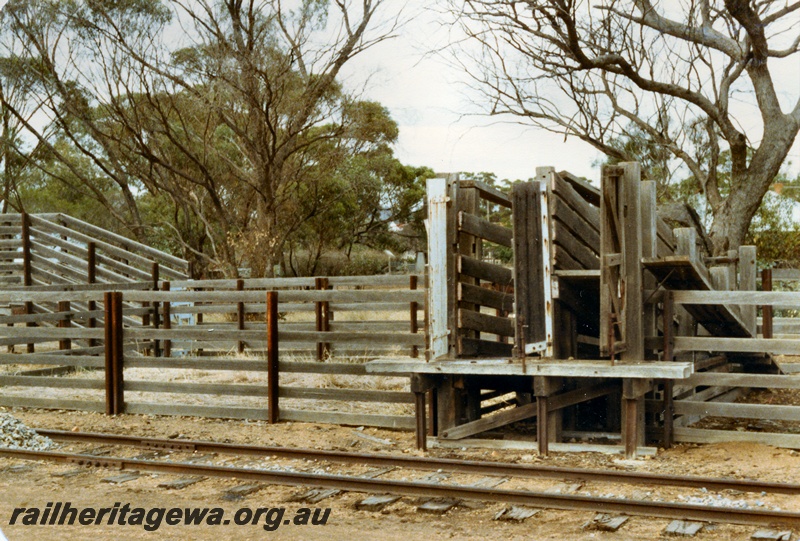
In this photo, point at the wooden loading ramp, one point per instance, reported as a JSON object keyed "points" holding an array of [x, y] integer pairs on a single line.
{"points": [[684, 273]]}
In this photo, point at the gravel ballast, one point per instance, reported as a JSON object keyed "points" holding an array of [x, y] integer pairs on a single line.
{"points": [[14, 434]]}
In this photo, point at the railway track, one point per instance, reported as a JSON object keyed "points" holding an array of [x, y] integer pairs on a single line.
{"points": [[377, 485], [499, 469]]}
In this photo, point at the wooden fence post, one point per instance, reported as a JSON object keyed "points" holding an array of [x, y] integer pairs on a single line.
{"points": [[669, 385], [766, 310], [747, 282], [27, 271], [322, 313], [167, 320], [649, 249], [414, 307], [199, 316], [438, 269], [529, 271], [156, 313], [239, 314], [64, 323], [91, 272], [272, 357]]}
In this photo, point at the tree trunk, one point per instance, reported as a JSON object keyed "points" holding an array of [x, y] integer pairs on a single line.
{"points": [[729, 227], [732, 219]]}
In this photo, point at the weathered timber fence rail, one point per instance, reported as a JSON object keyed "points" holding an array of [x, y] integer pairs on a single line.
{"points": [[773, 299], [48, 249], [135, 352], [715, 397]]}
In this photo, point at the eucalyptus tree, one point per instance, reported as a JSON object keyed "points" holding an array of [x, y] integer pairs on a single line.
{"points": [[698, 78], [217, 112]]}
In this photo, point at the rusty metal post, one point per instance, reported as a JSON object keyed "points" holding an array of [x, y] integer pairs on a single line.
{"points": [[413, 312], [273, 411], [240, 314], [167, 320], [766, 310], [118, 352], [108, 304], [64, 323]]}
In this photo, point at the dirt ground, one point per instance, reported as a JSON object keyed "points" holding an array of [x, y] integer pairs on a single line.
{"points": [[30, 484]]}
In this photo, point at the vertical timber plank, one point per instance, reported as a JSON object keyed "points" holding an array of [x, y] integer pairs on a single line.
{"points": [[419, 414], [64, 323], [91, 272], [631, 286], [685, 244], [547, 180], [321, 310], [766, 310], [27, 270], [528, 279], [632, 270], [747, 282], [611, 253], [167, 324], [156, 310], [548, 423], [649, 247], [668, 356], [437, 292], [198, 318], [451, 251], [413, 314]]}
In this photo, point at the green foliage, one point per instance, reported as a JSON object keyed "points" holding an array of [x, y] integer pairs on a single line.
{"points": [[772, 230], [656, 160], [236, 148]]}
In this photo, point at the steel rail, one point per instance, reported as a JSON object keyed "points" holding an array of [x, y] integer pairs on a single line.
{"points": [[430, 463], [669, 510]]}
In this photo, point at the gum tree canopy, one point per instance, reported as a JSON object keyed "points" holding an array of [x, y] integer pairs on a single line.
{"points": [[697, 77], [223, 122]]}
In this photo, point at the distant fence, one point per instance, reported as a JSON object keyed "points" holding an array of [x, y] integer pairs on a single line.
{"points": [[138, 343], [44, 249]]}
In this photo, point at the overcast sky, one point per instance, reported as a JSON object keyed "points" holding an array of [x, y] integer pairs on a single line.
{"points": [[438, 124]]}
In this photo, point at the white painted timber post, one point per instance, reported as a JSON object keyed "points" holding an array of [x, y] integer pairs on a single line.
{"points": [[547, 261], [436, 226]]}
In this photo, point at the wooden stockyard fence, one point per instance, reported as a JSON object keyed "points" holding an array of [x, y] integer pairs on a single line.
{"points": [[200, 327], [609, 326], [95, 321]]}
